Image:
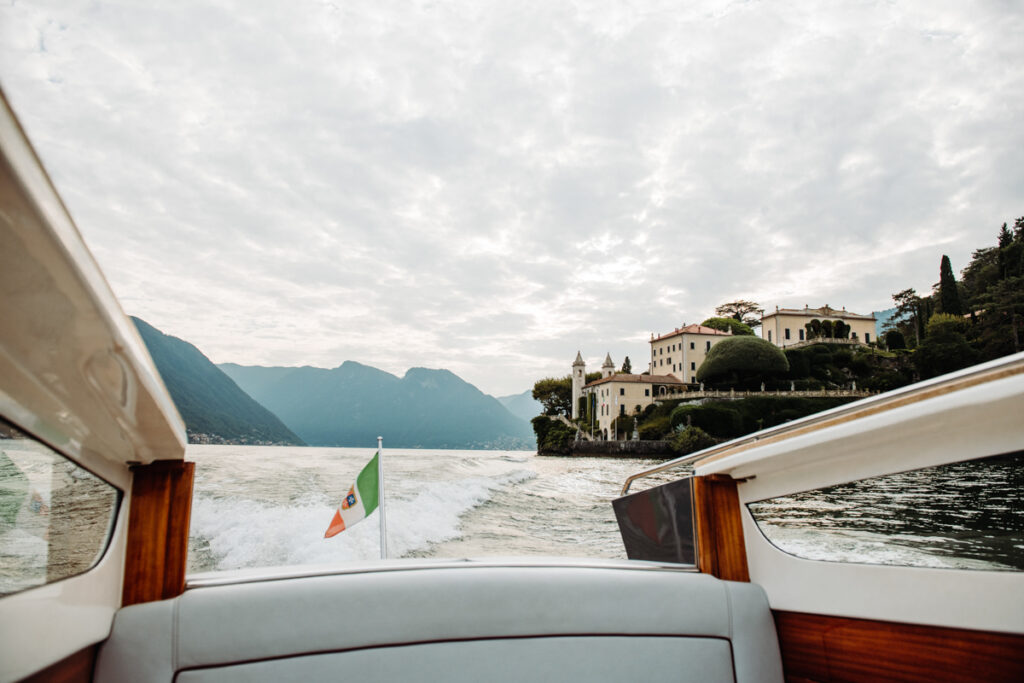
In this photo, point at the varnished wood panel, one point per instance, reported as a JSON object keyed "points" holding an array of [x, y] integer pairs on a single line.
{"points": [[157, 550], [76, 668], [824, 648], [720, 548]]}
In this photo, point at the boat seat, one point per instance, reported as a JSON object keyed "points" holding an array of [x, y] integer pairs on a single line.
{"points": [[452, 623]]}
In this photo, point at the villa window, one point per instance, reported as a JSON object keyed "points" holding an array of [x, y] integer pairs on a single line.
{"points": [[693, 379], [801, 334], [867, 337], [669, 359], [647, 392], [787, 333], [708, 347], [769, 335], [622, 410], [693, 346], [622, 391], [693, 366]]}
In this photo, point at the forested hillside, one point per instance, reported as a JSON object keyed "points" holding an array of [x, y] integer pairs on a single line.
{"points": [[214, 408]]}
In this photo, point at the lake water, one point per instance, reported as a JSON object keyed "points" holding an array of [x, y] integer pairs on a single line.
{"points": [[267, 506]]}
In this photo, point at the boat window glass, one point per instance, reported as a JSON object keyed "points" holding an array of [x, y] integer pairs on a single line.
{"points": [[965, 515], [55, 517]]}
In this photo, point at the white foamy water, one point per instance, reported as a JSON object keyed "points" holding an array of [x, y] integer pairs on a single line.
{"points": [[262, 506]]}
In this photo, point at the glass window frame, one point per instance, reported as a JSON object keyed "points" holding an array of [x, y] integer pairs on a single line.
{"points": [[112, 522]]}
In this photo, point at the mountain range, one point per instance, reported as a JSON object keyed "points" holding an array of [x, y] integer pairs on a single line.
{"points": [[214, 409], [346, 406], [523, 406], [353, 404]]}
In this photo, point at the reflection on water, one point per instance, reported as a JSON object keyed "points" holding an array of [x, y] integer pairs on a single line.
{"points": [[55, 517], [966, 515]]}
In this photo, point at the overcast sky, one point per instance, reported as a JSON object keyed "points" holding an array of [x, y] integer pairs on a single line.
{"points": [[488, 187]]}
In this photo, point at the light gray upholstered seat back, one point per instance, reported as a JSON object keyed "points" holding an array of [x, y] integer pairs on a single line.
{"points": [[459, 624]]}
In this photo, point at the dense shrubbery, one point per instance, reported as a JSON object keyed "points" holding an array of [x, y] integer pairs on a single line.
{"points": [[553, 436], [718, 418], [690, 440], [655, 428], [728, 419], [742, 362]]}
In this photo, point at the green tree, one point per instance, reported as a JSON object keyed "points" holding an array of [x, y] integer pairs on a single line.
{"points": [[747, 312], [894, 340], [728, 325], [840, 330], [814, 329], [1004, 240], [553, 437], [1000, 327], [910, 309], [981, 273], [944, 348], [949, 296], [827, 329], [742, 360], [627, 367], [555, 394]]}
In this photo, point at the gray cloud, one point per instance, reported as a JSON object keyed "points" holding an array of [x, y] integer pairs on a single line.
{"points": [[488, 187]]}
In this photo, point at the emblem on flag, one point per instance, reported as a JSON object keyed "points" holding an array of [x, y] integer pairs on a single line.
{"points": [[360, 500]]}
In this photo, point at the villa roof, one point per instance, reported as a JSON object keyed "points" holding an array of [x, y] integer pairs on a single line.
{"points": [[636, 379], [693, 329], [825, 311]]}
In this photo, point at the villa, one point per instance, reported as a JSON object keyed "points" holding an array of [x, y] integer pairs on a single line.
{"points": [[675, 357], [787, 326], [679, 353]]}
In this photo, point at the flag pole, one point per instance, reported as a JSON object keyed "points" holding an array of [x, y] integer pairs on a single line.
{"points": [[380, 498]]}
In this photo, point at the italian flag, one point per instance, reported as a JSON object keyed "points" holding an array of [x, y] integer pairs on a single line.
{"points": [[360, 501]]}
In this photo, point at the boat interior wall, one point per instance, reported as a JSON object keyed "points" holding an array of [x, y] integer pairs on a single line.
{"points": [[76, 373], [975, 599], [46, 624], [75, 668], [819, 648], [464, 623]]}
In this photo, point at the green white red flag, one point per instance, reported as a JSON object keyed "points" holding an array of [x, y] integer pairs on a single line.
{"points": [[360, 500]]}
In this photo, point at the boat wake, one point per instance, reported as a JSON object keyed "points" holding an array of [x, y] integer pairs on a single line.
{"points": [[232, 533]]}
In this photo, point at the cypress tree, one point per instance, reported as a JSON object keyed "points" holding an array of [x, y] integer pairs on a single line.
{"points": [[949, 297], [1005, 239]]}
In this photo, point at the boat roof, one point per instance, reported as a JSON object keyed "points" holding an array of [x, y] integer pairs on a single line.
{"points": [[77, 374]]}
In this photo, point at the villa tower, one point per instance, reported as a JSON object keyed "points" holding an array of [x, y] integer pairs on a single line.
{"points": [[579, 378], [608, 369]]}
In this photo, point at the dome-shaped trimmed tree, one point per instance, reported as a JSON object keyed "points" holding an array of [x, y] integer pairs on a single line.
{"points": [[742, 361]]}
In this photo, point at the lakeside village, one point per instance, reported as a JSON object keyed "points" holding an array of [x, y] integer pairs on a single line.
{"points": [[717, 380]]}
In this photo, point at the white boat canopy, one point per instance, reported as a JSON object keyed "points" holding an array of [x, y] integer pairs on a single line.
{"points": [[77, 374]]}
